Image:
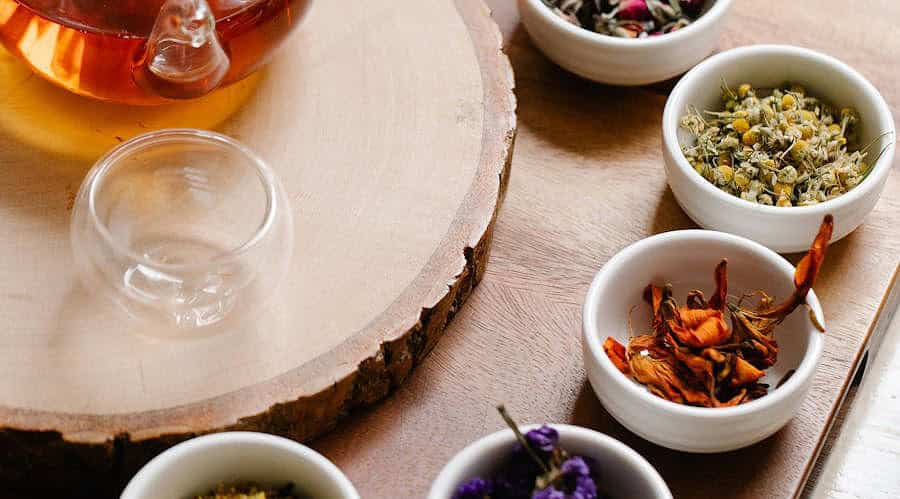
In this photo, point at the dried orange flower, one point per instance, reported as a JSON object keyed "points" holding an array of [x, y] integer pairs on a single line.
{"points": [[692, 356]]}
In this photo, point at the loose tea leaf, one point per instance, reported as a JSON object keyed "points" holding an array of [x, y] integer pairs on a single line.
{"points": [[252, 491], [628, 18], [781, 147], [693, 357]]}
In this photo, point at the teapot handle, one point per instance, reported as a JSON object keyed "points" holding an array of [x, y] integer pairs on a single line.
{"points": [[183, 57]]}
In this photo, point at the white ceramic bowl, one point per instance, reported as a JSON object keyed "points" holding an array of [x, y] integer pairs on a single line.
{"points": [[687, 259], [200, 464], [624, 472], [783, 229], [620, 61]]}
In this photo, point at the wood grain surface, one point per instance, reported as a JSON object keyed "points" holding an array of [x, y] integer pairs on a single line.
{"points": [[395, 163], [587, 180]]}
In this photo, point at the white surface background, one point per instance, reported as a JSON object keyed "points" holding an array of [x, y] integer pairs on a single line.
{"points": [[864, 461]]}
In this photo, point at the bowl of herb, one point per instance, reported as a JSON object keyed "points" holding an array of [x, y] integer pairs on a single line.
{"points": [[625, 42], [555, 461], [763, 141], [703, 341], [239, 465]]}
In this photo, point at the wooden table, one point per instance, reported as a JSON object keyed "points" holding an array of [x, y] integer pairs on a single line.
{"points": [[517, 341]]}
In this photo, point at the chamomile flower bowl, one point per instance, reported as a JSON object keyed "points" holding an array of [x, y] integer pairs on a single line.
{"points": [[686, 259], [621, 471], [783, 229], [201, 464], [620, 61]]}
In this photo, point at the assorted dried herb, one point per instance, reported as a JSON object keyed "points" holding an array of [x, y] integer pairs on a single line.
{"points": [[692, 356], [780, 147], [628, 18], [537, 468], [251, 491]]}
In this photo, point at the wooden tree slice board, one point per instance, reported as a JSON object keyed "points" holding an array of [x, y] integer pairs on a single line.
{"points": [[392, 132]]}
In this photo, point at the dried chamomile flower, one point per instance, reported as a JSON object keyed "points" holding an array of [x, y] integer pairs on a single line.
{"points": [[777, 147]]}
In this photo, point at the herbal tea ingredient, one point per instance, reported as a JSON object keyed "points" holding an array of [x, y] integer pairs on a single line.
{"points": [[537, 468], [693, 357], [784, 149], [251, 491], [628, 18]]}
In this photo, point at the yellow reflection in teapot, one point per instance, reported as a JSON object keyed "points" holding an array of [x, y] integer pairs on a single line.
{"points": [[49, 118]]}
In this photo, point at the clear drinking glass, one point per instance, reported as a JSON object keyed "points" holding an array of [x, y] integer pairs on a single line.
{"points": [[185, 228]]}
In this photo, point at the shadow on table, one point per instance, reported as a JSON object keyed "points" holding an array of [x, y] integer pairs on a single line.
{"points": [[688, 475], [580, 116]]}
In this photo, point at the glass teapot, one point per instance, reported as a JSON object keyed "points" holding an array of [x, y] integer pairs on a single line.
{"points": [[146, 51]]}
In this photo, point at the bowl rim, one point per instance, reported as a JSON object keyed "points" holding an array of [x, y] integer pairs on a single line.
{"points": [[194, 447], [674, 108], [710, 17], [591, 335], [445, 482]]}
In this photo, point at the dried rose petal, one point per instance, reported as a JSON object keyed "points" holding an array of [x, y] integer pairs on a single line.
{"points": [[634, 10]]}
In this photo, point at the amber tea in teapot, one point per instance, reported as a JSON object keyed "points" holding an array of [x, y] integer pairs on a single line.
{"points": [[146, 51]]}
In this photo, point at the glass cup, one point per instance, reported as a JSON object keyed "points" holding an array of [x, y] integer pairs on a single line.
{"points": [[184, 228]]}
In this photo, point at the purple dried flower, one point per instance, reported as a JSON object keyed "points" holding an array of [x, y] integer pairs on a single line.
{"points": [[504, 489], [543, 439], [476, 488], [577, 480], [517, 476], [575, 466], [574, 482], [585, 488], [549, 493], [538, 463]]}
